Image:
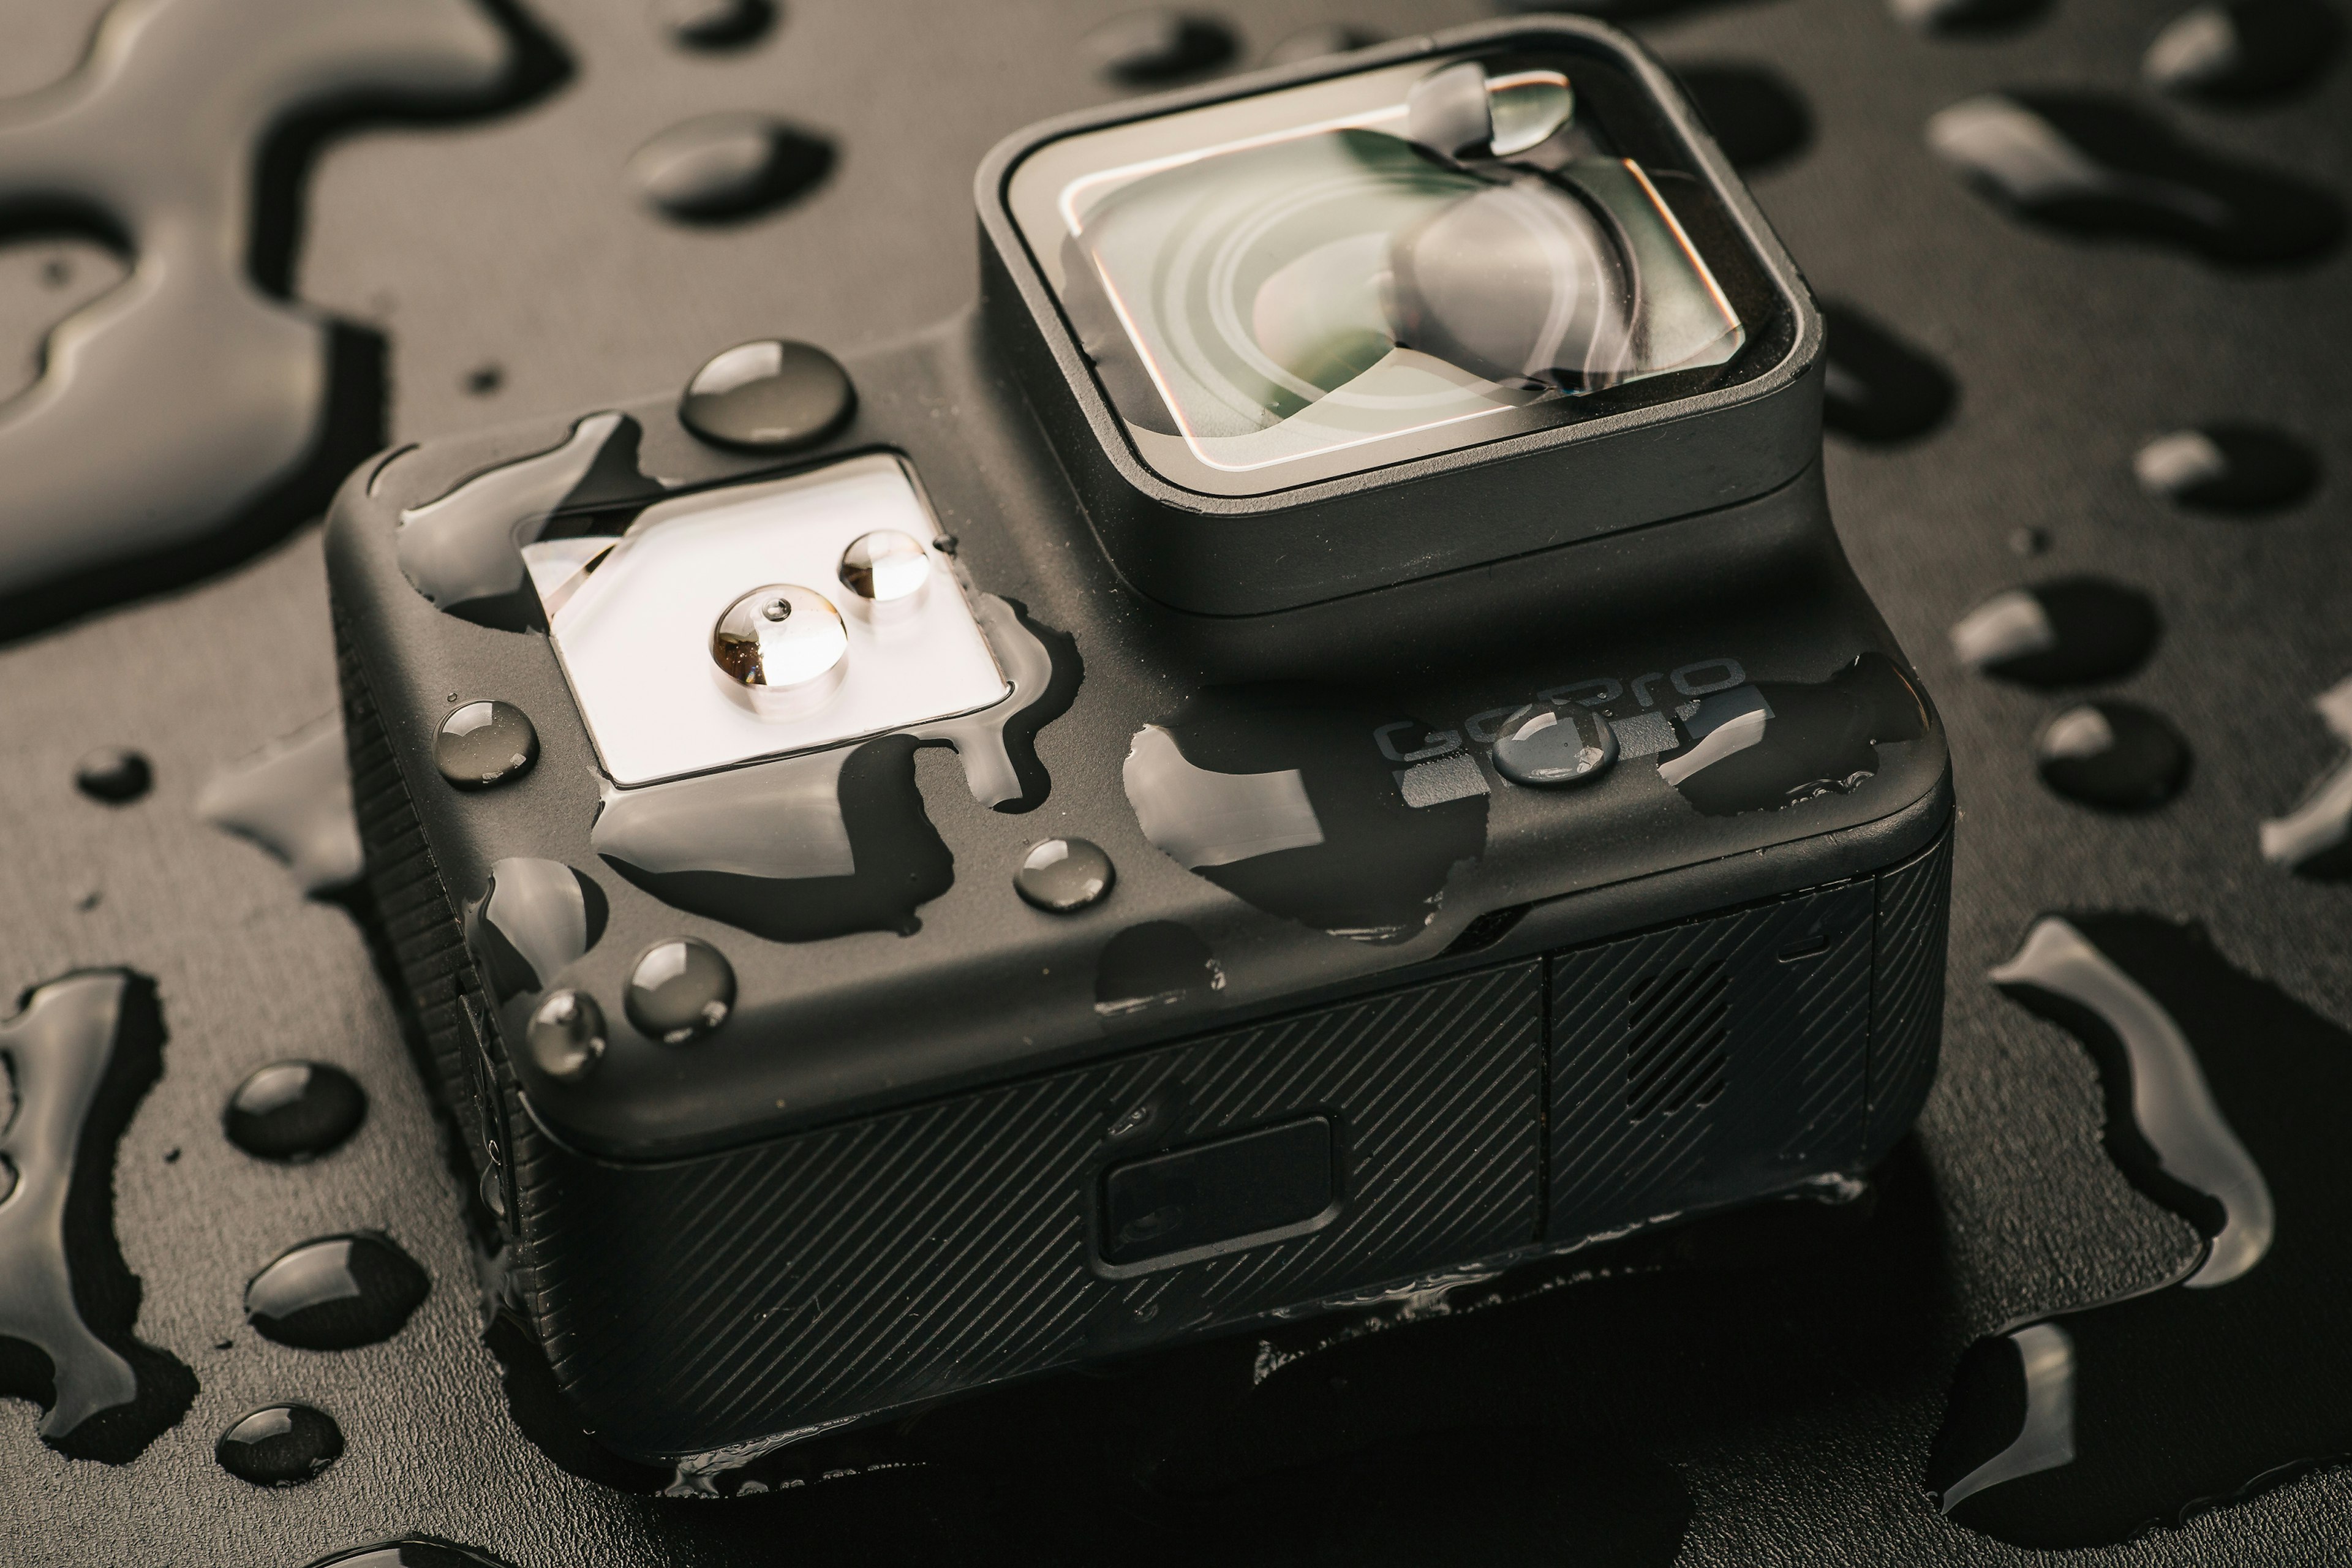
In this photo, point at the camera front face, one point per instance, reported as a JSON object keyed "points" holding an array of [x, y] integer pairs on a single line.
{"points": [[1316, 335], [1346, 275]]}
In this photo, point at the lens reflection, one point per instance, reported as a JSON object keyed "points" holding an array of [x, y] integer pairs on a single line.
{"points": [[1465, 249]]}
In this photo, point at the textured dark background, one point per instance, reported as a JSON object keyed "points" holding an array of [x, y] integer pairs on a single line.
{"points": [[1792, 1407]]}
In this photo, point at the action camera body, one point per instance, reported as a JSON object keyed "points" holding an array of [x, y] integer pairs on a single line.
{"points": [[1319, 739]]}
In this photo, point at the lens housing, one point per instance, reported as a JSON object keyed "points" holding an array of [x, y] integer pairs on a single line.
{"points": [[1226, 305]]}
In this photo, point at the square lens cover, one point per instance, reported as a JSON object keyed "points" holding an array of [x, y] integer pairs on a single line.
{"points": [[1325, 279]]}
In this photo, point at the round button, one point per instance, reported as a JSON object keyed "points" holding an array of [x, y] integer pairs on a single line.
{"points": [[885, 567], [1547, 745], [680, 990], [768, 396], [1062, 875], [484, 743], [566, 1037], [780, 640]]}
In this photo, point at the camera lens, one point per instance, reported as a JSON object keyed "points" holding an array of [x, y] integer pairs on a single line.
{"points": [[1444, 265]]}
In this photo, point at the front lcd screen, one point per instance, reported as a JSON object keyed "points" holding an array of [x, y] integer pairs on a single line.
{"points": [[1322, 280]]}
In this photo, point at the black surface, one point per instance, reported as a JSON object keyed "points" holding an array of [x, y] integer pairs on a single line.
{"points": [[1777, 1414]]}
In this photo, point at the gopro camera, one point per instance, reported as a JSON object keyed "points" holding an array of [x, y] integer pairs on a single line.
{"points": [[1319, 738]]}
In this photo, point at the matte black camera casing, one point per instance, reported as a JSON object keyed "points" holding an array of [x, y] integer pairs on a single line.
{"points": [[942, 1138]]}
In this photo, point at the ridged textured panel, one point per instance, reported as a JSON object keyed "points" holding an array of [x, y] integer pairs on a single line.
{"points": [[1907, 1030], [1794, 1078], [427, 942], [854, 1269]]}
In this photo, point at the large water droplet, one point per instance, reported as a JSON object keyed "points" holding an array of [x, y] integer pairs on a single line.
{"points": [[1062, 875], [710, 25], [2242, 50], [281, 1445], [115, 774], [1876, 388], [336, 1293], [1549, 743], [2067, 632], [482, 744], [1146, 48], [2224, 1100], [535, 918], [2100, 168], [566, 1036], [2227, 468], [680, 990], [74, 1064], [771, 396], [2315, 840], [294, 1111], [294, 800], [2115, 755], [1311, 803], [726, 167]]}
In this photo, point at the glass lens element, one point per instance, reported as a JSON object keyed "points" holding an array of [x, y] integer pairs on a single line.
{"points": [[1311, 293]]}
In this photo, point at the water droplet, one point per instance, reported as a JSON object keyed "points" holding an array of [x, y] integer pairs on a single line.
{"points": [[1549, 743], [2028, 540], [770, 395], [2315, 840], [484, 380], [114, 774], [680, 990], [463, 552], [281, 1445], [2100, 168], [294, 800], [294, 1111], [1770, 744], [566, 1037], [484, 743], [336, 1293], [1063, 875], [1959, 18], [1876, 388], [74, 1064], [1312, 806], [783, 648], [1319, 42], [2115, 755], [2227, 468], [2067, 632], [2223, 1099], [1153, 968], [2242, 50], [885, 567], [1757, 116], [712, 26], [534, 918], [244, 405], [1146, 48], [722, 168], [409, 1553], [821, 845]]}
